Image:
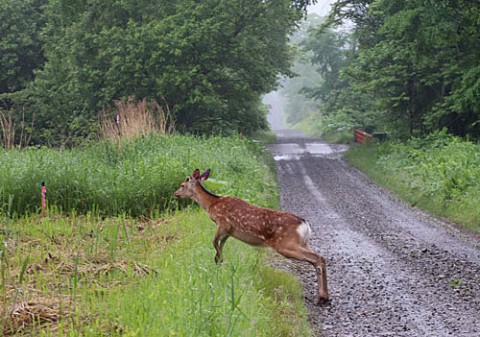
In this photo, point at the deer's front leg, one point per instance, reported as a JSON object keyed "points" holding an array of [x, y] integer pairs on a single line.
{"points": [[218, 241]]}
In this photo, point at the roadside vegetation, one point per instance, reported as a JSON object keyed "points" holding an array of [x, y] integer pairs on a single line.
{"points": [[115, 255], [438, 173], [365, 66], [135, 177], [71, 275]]}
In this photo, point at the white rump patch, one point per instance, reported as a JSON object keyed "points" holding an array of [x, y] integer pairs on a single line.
{"points": [[305, 231]]}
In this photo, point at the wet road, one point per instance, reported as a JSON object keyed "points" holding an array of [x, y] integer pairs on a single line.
{"points": [[393, 270]]}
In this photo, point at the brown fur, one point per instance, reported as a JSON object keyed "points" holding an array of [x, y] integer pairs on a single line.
{"points": [[256, 226]]}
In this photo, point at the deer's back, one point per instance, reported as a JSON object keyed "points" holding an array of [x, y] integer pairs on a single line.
{"points": [[252, 224]]}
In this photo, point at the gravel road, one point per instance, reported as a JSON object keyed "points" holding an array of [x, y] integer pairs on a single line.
{"points": [[393, 270]]}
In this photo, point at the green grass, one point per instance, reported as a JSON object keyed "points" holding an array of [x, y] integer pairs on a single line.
{"points": [[134, 177], [439, 174], [116, 257], [80, 275]]}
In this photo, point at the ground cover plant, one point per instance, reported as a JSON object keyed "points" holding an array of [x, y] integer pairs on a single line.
{"points": [[136, 177], [115, 254], [81, 275], [439, 173]]}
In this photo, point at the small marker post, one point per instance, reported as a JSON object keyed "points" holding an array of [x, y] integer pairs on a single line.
{"points": [[44, 199]]}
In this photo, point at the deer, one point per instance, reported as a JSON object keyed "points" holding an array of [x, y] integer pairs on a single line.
{"points": [[286, 233]]}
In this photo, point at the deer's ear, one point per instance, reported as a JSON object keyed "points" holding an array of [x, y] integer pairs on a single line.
{"points": [[205, 175], [196, 174]]}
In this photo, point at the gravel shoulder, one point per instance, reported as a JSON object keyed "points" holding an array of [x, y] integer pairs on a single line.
{"points": [[392, 269]]}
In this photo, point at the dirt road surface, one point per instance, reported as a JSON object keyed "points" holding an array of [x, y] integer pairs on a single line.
{"points": [[393, 270]]}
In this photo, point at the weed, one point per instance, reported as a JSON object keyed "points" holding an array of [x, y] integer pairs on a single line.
{"points": [[161, 281], [439, 173], [134, 177], [132, 119], [456, 283]]}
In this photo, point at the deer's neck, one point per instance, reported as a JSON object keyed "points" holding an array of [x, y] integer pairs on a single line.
{"points": [[205, 198]]}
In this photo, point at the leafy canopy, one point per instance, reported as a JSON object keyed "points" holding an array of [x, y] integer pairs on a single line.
{"points": [[407, 67], [211, 60]]}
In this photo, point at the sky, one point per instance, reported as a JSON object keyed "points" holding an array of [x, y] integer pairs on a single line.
{"points": [[321, 8]]}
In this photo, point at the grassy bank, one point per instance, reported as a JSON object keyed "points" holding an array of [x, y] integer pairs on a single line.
{"points": [[116, 257], [80, 275], [439, 174], [134, 177]]}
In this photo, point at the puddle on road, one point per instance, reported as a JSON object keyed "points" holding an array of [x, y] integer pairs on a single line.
{"points": [[286, 157], [319, 148], [287, 148], [294, 151]]}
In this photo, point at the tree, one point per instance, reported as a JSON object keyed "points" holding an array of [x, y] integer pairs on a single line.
{"points": [[211, 60], [417, 61], [20, 46]]}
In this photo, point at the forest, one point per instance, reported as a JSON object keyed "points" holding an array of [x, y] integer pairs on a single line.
{"points": [[65, 63], [406, 68]]}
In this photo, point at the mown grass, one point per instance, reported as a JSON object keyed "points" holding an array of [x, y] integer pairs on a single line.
{"points": [[439, 174], [134, 177], [84, 276]]}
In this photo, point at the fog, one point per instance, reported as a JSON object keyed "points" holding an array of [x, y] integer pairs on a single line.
{"points": [[274, 100]]}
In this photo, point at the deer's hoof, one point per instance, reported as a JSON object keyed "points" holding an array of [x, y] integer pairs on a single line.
{"points": [[323, 300]]}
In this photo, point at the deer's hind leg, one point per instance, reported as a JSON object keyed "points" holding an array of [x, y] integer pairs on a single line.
{"points": [[303, 253]]}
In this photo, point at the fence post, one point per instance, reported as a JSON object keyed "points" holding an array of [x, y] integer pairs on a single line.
{"points": [[44, 199]]}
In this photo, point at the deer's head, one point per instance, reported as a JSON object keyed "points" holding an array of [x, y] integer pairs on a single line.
{"points": [[190, 185]]}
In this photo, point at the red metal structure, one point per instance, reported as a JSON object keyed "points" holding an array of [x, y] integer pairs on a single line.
{"points": [[362, 137]]}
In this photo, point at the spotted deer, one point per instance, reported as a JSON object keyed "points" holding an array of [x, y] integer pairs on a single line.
{"points": [[287, 233]]}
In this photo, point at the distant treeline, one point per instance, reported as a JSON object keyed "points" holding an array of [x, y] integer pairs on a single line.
{"points": [[409, 68], [63, 62]]}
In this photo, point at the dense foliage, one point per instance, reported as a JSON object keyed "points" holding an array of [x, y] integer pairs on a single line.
{"points": [[441, 166], [438, 173], [64, 61], [20, 43], [135, 177], [405, 67]]}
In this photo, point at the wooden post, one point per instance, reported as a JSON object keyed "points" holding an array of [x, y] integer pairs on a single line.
{"points": [[44, 199]]}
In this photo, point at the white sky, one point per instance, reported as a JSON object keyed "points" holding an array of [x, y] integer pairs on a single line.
{"points": [[321, 8]]}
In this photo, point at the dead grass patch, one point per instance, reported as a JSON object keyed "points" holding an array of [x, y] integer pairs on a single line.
{"points": [[132, 119], [22, 317], [91, 268]]}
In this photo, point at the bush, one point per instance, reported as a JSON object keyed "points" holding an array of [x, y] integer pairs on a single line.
{"points": [[439, 173]]}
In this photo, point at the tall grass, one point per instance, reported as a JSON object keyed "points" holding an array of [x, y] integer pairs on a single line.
{"points": [[439, 173], [136, 177], [81, 275], [131, 119], [14, 132], [95, 267]]}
